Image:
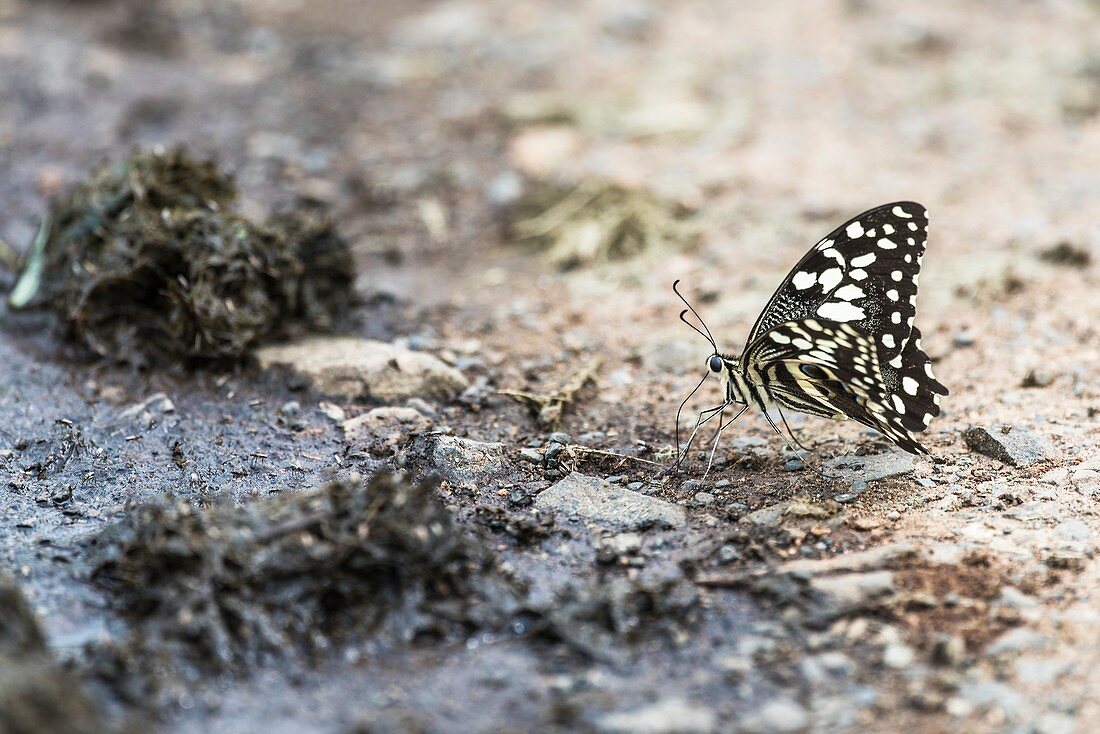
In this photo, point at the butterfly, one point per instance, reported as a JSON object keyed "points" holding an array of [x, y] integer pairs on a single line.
{"points": [[837, 338]]}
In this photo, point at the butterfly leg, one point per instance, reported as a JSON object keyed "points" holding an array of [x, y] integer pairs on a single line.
{"points": [[788, 427], [699, 422], [718, 437], [779, 432]]}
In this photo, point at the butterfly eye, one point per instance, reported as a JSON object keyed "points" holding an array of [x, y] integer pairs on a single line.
{"points": [[715, 363]]}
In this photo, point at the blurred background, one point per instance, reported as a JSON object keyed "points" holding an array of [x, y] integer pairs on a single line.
{"points": [[426, 128]]}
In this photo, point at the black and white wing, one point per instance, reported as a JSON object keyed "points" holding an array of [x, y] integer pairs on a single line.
{"points": [[832, 370], [837, 338]]}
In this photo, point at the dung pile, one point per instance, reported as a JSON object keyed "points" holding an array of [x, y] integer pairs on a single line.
{"points": [[603, 620], [228, 588], [148, 262], [35, 695], [597, 221]]}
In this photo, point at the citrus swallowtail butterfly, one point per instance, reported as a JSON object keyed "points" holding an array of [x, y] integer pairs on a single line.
{"points": [[837, 338]]}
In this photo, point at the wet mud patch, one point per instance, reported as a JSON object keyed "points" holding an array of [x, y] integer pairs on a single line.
{"points": [[148, 262]]}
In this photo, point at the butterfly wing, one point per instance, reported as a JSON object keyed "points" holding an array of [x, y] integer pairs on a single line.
{"points": [[833, 370], [864, 273]]}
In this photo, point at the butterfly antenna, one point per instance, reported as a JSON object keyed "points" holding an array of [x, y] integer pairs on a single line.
{"points": [[788, 427], [708, 336], [696, 329]]}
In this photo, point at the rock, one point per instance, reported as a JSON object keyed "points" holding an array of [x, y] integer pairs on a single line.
{"points": [[612, 507], [860, 470], [531, 456], [1011, 445], [355, 368], [461, 461], [702, 499], [794, 464], [989, 694], [623, 544], [1017, 640], [1073, 530], [897, 655], [385, 427], [792, 511], [780, 716], [667, 716], [1055, 476], [836, 596], [868, 560]]}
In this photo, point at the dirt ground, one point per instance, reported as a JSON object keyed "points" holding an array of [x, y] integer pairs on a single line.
{"points": [[857, 590]]}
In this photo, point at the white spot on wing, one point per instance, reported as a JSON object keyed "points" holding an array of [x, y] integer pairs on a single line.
{"points": [[824, 244], [892, 294], [909, 385], [803, 343], [896, 317], [896, 362], [780, 338], [842, 311], [830, 278], [849, 292], [899, 212], [864, 260], [899, 406], [896, 275], [858, 274], [887, 228], [803, 280], [888, 341], [886, 244], [855, 229]]}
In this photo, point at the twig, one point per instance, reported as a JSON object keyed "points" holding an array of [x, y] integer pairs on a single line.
{"points": [[31, 278], [601, 452]]}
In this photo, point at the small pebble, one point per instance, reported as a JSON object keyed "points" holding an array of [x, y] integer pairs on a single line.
{"points": [[722, 484], [704, 498], [846, 498], [531, 455], [728, 554], [735, 510], [794, 464], [964, 339], [560, 438], [616, 479], [691, 485], [635, 486]]}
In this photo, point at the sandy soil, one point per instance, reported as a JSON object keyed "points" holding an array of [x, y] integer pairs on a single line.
{"points": [[775, 122]]}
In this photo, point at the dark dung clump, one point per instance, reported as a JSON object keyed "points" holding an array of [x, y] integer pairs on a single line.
{"points": [[227, 588], [148, 262], [36, 695]]}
